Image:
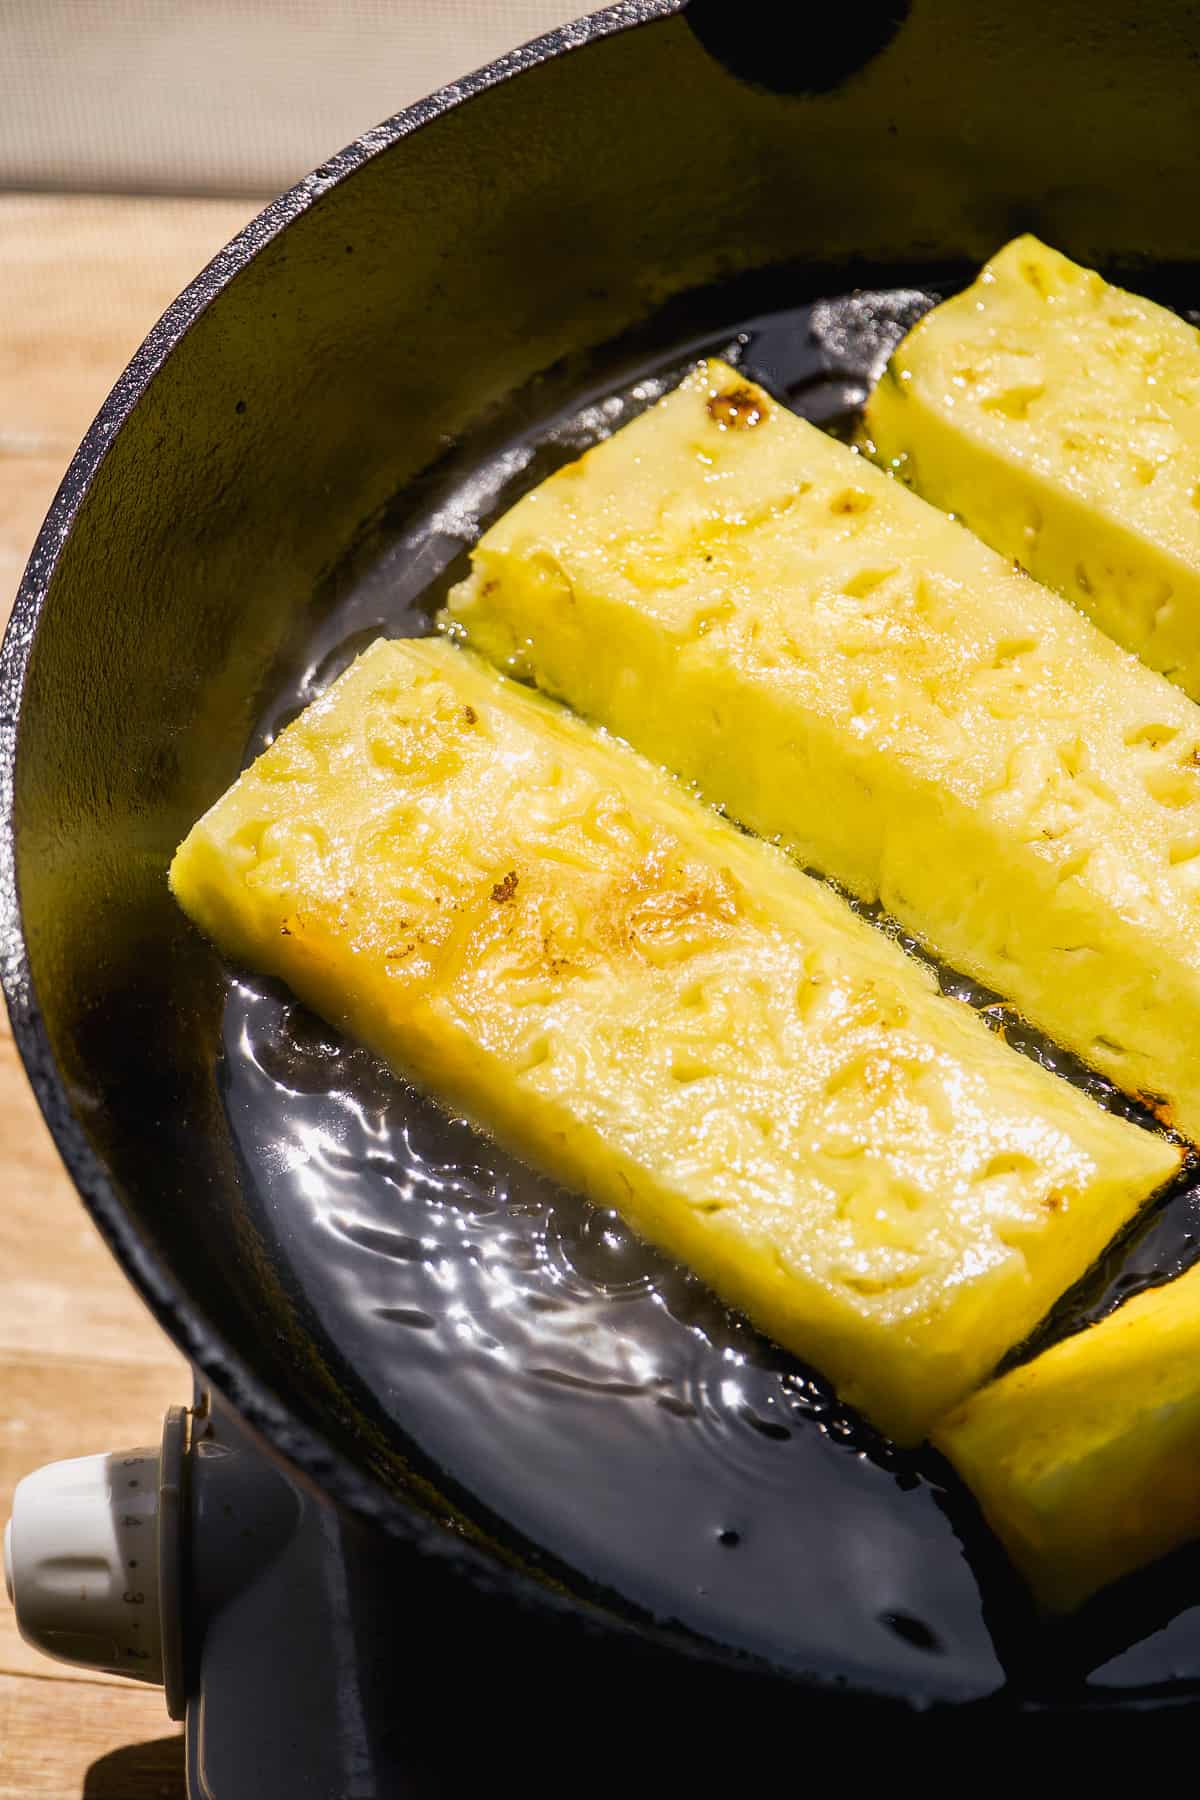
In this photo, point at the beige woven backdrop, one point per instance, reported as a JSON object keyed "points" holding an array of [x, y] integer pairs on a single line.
{"points": [[225, 96]]}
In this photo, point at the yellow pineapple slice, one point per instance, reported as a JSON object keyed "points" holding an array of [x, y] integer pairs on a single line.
{"points": [[1060, 418], [1086, 1461], [845, 668], [555, 939]]}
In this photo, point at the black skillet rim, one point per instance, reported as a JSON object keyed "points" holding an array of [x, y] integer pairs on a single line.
{"points": [[306, 1450]]}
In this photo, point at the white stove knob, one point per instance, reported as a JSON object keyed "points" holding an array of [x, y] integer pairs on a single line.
{"points": [[81, 1562], [93, 1558]]}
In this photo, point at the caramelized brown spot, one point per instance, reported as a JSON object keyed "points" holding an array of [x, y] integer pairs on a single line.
{"points": [[664, 913], [506, 889], [737, 409], [1159, 1105], [470, 715], [1054, 1201]]}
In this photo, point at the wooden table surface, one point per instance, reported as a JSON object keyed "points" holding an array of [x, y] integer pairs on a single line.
{"points": [[82, 1365]]}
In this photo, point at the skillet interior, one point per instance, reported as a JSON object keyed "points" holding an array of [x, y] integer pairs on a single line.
{"points": [[413, 297]]}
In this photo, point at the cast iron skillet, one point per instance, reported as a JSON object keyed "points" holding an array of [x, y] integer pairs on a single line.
{"points": [[299, 452]]}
